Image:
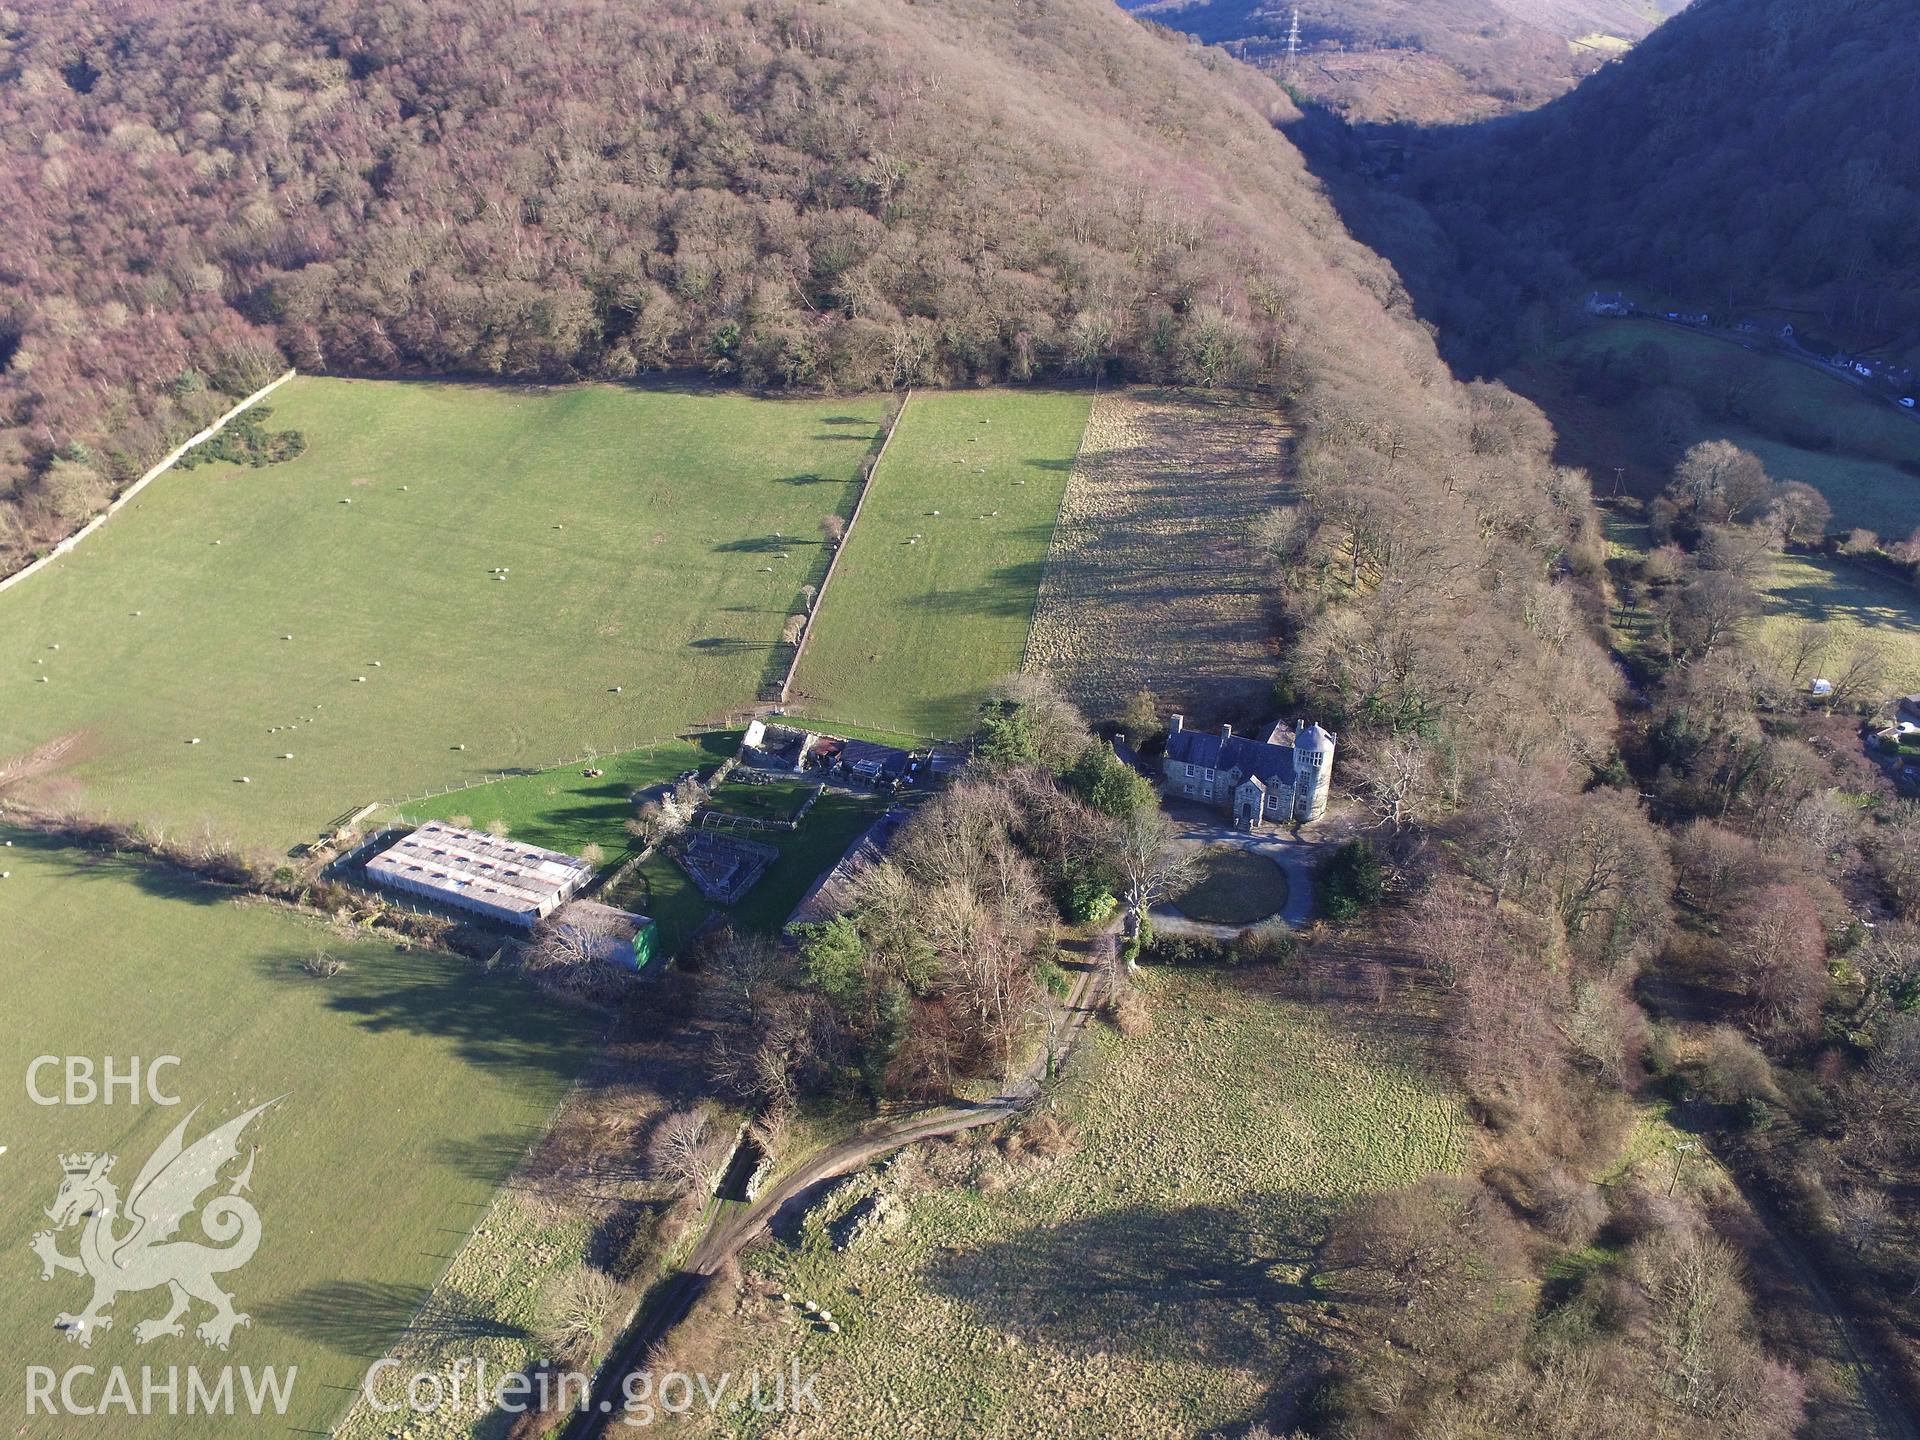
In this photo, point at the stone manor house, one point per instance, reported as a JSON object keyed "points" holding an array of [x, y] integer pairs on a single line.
{"points": [[1281, 779]]}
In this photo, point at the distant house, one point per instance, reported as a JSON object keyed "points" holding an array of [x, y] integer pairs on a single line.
{"points": [[1608, 302], [1280, 780]]}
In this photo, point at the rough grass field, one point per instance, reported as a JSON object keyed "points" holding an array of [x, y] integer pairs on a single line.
{"points": [[934, 597], [1876, 494], [1856, 603], [1233, 887], [1858, 451], [1151, 582], [1156, 1280], [413, 1082], [666, 581]]}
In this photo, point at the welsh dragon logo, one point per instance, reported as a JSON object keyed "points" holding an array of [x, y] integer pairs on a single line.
{"points": [[126, 1251]]}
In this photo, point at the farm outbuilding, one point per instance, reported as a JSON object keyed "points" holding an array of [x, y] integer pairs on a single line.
{"points": [[490, 876], [615, 936]]}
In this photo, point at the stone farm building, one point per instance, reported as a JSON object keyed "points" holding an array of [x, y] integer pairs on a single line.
{"points": [[1282, 779], [495, 878]]}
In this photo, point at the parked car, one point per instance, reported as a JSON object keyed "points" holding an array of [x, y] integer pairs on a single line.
{"points": [[1907, 400]]}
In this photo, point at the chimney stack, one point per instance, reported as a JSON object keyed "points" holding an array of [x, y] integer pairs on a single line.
{"points": [[1176, 723], [1226, 732]]}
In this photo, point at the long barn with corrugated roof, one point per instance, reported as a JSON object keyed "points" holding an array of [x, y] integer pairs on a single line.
{"points": [[486, 875]]}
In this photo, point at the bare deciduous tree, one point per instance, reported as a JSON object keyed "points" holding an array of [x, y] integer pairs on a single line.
{"points": [[1143, 848], [686, 1151]]}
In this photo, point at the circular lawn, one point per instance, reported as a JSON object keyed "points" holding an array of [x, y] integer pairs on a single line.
{"points": [[1233, 887]]}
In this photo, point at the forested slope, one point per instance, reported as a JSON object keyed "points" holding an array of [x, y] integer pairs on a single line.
{"points": [[774, 193], [1749, 151]]}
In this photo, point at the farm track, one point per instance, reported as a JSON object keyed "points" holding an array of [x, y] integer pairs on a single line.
{"points": [[1152, 581], [729, 1234]]}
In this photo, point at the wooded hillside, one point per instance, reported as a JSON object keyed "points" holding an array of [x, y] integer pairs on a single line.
{"points": [[769, 193], [1749, 152]]}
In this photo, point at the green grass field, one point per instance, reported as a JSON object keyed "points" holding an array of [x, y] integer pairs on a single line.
{"points": [[1854, 601], [1234, 887], [666, 581], [913, 631], [412, 1081], [568, 810], [778, 799], [1154, 1281]]}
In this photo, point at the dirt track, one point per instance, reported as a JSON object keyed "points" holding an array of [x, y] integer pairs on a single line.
{"points": [[728, 1236]]}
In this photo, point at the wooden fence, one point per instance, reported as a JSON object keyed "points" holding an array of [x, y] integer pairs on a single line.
{"points": [[833, 562]]}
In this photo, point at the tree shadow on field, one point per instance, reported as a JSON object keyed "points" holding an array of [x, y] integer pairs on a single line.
{"points": [[847, 420], [155, 877], [762, 544], [811, 478], [494, 1022], [1205, 1281], [729, 645], [363, 1318], [1050, 464], [488, 1159], [1010, 590]]}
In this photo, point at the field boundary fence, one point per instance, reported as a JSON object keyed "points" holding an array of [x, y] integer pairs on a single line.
{"points": [[833, 562]]}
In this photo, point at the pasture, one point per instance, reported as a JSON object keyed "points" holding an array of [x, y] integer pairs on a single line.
{"points": [[1863, 492], [566, 809], [934, 597], [1155, 1279], [474, 578], [412, 1084], [1857, 605]]}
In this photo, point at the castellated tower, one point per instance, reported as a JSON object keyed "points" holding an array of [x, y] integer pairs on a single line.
{"points": [[1312, 772]]}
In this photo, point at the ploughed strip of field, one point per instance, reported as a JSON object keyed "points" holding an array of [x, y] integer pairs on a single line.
{"points": [[1152, 581]]}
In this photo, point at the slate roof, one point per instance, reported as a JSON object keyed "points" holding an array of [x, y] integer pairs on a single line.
{"points": [[1272, 763]]}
